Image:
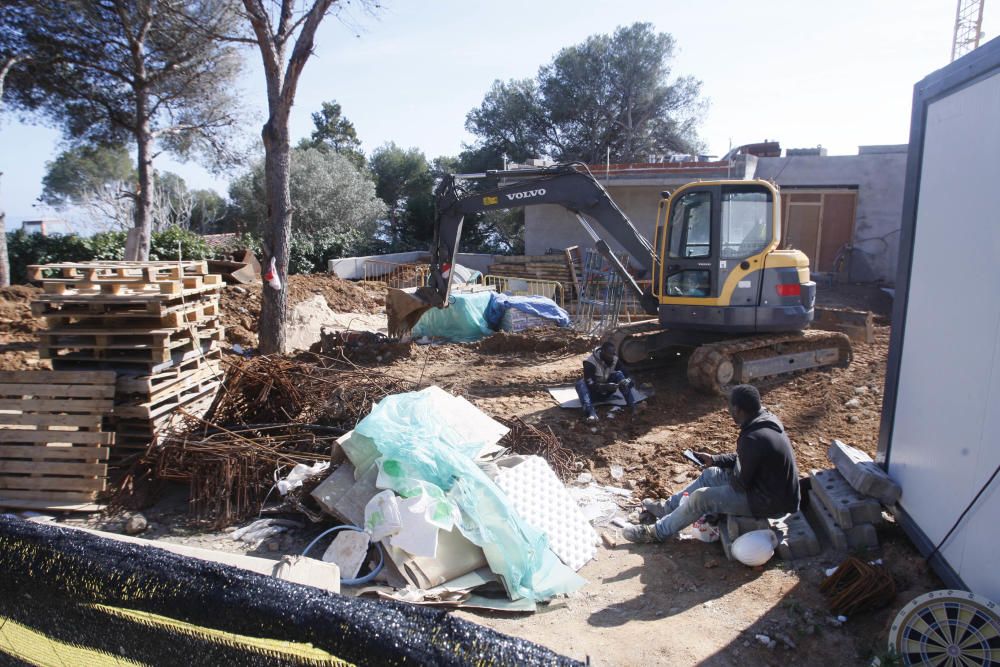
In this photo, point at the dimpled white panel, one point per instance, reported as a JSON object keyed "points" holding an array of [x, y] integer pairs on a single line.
{"points": [[542, 500]]}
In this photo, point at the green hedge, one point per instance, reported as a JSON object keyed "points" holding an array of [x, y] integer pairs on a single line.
{"points": [[25, 249]]}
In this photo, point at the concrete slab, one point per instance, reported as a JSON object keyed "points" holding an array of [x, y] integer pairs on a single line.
{"points": [[798, 538], [862, 473], [848, 506]]}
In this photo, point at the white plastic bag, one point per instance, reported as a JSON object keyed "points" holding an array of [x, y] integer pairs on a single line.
{"points": [[382, 515], [272, 276], [755, 548], [704, 531]]}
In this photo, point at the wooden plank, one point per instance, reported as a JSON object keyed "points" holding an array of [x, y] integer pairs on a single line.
{"points": [[55, 497], [139, 297], [54, 453], [210, 363], [47, 419], [53, 483], [58, 390], [94, 406], [52, 468], [78, 437], [58, 377], [55, 505]]}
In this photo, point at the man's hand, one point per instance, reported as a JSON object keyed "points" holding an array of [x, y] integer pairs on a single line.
{"points": [[706, 459]]}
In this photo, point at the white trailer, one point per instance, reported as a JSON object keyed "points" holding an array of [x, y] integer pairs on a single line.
{"points": [[940, 430]]}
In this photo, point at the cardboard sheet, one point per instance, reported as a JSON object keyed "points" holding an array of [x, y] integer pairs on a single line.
{"points": [[566, 397]]}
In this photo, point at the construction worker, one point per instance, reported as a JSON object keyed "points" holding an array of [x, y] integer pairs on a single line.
{"points": [[759, 480], [603, 375]]}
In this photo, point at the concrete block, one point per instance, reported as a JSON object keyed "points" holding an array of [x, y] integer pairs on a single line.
{"points": [[862, 536], [823, 523], [863, 474], [737, 525], [798, 538], [848, 506]]}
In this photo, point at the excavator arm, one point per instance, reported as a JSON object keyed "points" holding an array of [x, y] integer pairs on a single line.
{"points": [[569, 185]]}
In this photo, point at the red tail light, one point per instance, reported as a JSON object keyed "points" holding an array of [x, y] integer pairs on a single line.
{"points": [[793, 289]]}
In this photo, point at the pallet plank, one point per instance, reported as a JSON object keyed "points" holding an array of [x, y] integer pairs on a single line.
{"points": [[58, 390], [41, 452], [58, 377], [38, 405], [53, 468], [77, 437], [53, 483]]}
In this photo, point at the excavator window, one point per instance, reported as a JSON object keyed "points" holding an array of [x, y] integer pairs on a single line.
{"points": [[691, 225], [746, 222]]}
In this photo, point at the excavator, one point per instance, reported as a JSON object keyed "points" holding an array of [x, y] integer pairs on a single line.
{"points": [[720, 287]]}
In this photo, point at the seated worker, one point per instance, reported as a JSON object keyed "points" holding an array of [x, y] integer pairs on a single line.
{"points": [[603, 375], [759, 480]]}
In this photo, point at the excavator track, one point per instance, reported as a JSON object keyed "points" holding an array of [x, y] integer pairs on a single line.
{"points": [[715, 367]]}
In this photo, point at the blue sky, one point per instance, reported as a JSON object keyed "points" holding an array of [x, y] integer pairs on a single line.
{"points": [[802, 72]]}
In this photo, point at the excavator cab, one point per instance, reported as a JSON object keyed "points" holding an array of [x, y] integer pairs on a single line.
{"points": [[720, 267]]}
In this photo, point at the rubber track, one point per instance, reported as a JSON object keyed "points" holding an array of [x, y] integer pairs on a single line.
{"points": [[706, 359]]}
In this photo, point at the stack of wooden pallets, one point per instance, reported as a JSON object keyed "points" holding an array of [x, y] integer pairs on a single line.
{"points": [[537, 267], [155, 324], [53, 452]]}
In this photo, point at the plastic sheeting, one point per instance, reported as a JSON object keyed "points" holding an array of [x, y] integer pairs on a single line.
{"points": [[462, 321], [539, 306], [424, 455]]}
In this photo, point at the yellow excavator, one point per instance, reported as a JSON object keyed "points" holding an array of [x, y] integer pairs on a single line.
{"points": [[720, 286]]}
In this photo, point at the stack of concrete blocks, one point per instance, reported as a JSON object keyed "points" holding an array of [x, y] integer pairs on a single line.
{"points": [[798, 540], [847, 499]]}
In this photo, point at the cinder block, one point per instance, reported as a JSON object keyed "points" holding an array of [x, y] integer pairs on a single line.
{"points": [[823, 523], [862, 536], [848, 506], [862, 473], [737, 525], [798, 538]]}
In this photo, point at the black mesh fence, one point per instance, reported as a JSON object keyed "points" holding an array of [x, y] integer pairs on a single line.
{"points": [[68, 597]]}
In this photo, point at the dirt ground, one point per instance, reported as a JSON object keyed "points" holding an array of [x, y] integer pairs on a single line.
{"points": [[678, 603]]}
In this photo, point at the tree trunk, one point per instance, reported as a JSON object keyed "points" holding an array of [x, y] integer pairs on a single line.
{"points": [[144, 198], [277, 161], [4, 258]]}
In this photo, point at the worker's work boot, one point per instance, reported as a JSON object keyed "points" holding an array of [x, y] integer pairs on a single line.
{"points": [[591, 416], [658, 507], [640, 533]]}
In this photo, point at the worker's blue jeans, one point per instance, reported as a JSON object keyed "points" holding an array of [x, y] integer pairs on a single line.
{"points": [[711, 493], [588, 395]]}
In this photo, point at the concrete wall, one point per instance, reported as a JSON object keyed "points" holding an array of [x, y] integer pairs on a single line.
{"points": [[878, 173]]}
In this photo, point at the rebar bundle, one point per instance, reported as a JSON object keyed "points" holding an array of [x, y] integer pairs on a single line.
{"points": [[858, 586], [524, 438]]}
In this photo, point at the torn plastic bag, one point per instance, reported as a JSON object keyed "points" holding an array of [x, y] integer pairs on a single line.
{"points": [[463, 321], [423, 455]]}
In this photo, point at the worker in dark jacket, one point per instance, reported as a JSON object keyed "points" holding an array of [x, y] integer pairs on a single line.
{"points": [[603, 375], [759, 480]]}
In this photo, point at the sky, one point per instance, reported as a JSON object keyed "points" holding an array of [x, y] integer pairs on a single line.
{"points": [[805, 73]]}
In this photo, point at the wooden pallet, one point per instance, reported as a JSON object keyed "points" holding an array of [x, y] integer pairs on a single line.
{"points": [[151, 385], [155, 349], [131, 288], [169, 402], [127, 365], [128, 337], [53, 452], [173, 312], [134, 436], [94, 272]]}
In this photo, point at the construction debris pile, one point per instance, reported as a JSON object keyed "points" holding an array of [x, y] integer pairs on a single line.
{"points": [[446, 512], [155, 324]]}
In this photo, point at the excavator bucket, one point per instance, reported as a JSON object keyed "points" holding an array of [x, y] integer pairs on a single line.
{"points": [[403, 307]]}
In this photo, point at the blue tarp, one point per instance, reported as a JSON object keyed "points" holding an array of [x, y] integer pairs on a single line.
{"points": [[462, 321], [533, 305]]}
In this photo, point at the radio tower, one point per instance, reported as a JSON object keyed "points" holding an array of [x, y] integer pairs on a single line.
{"points": [[968, 27]]}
